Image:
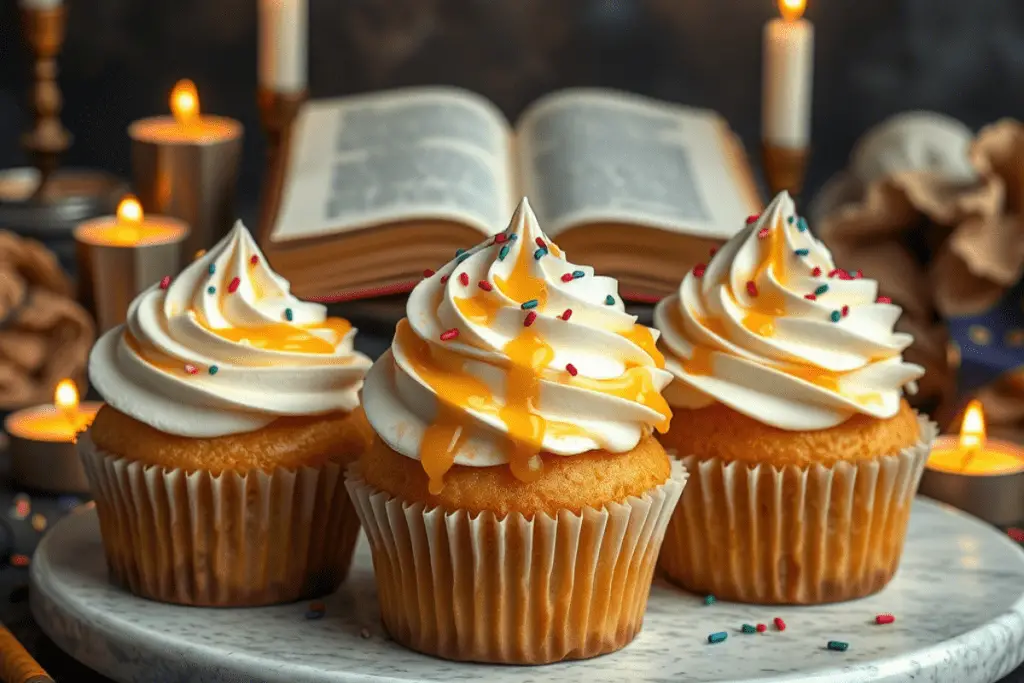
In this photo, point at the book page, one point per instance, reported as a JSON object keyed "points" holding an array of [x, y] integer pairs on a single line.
{"points": [[599, 156], [418, 153]]}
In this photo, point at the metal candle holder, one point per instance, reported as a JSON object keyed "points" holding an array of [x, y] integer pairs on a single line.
{"points": [[277, 113]]}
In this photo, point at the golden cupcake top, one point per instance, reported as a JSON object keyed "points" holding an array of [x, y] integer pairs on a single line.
{"points": [[773, 329], [224, 348], [510, 350]]}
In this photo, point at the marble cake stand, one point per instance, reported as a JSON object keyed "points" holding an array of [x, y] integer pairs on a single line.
{"points": [[958, 600]]}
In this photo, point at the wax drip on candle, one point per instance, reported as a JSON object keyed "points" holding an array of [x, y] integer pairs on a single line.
{"points": [[65, 398], [185, 102]]}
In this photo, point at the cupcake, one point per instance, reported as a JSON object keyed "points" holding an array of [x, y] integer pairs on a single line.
{"points": [[803, 455], [217, 463], [516, 498]]}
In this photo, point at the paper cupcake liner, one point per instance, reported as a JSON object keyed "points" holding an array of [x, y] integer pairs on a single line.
{"points": [[195, 538], [514, 590], [793, 535]]}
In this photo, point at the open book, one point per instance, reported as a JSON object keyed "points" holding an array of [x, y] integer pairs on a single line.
{"points": [[376, 188]]}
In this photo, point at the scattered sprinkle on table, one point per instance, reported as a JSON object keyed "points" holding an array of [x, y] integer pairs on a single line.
{"points": [[779, 623], [838, 646], [885, 619], [316, 610], [748, 628], [761, 628], [709, 599], [717, 637]]}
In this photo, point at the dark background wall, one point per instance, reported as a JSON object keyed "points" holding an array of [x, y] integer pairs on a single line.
{"points": [[874, 58]]}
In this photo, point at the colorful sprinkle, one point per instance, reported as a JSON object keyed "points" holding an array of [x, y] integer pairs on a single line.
{"points": [[500, 238], [428, 273], [709, 599], [752, 218], [801, 252], [213, 369], [838, 646], [513, 237], [463, 279], [462, 258], [845, 311], [540, 243], [609, 300], [833, 272], [527, 305], [811, 297], [802, 225], [577, 274], [700, 269], [714, 250], [858, 275], [751, 288], [567, 277], [211, 290], [199, 254], [459, 252], [883, 300], [212, 269], [790, 220], [761, 628], [191, 369], [779, 623], [835, 316], [571, 369], [233, 285], [717, 637], [762, 233], [748, 628], [254, 259], [1015, 534], [165, 282], [502, 253], [530, 317], [821, 290], [566, 314], [539, 254], [485, 285], [885, 619], [448, 335], [288, 315], [816, 271], [444, 279], [316, 611]]}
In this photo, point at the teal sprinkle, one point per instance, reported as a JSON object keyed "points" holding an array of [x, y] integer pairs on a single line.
{"points": [[609, 300], [513, 237], [790, 220], [539, 254], [460, 252], [709, 599], [211, 289], [213, 268], [821, 290], [527, 305], [577, 274], [502, 253], [747, 628], [802, 252], [288, 315], [717, 637], [836, 315], [462, 258], [838, 645], [213, 369], [802, 225]]}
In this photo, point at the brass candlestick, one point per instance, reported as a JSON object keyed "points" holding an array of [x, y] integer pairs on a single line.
{"points": [[277, 113], [48, 139], [784, 168]]}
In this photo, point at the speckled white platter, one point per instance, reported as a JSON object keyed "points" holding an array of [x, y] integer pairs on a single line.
{"points": [[958, 600]]}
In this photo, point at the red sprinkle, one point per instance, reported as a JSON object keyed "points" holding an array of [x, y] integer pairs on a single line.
{"points": [[450, 334], [700, 269], [254, 259], [885, 619], [714, 250], [751, 288], [762, 233], [843, 275], [752, 218], [1015, 534], [816, 272], [883, 300], [567, 277], [530, 317], [444, 279], [191, 369], [500, 238], [463, 279], [833, 272], [165, 282], [540, 243], [428, 273], [484, 285], [811, 297], [780, 624], [846, 311], [761, 628], [858, 275], [571, 369], [233, 285], [567, 314]]}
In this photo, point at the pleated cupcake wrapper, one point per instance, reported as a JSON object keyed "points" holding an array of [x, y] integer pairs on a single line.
{"points": [[793, 535], [195, 538], [514, 590]]}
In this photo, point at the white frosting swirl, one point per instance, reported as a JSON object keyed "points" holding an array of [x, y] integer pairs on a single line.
{"points": [[519, 378], [774, 330], [225, 348]]}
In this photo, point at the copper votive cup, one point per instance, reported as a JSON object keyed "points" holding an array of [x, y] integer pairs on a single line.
{"points": [[997, 498]]}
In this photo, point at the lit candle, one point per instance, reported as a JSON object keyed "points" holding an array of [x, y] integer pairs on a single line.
{"points": [[131, 228], [972, 453], [42, 449], [186, 125], [282, 45], [788, 73]]}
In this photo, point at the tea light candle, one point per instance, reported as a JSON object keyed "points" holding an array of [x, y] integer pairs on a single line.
{"points": [[130, 227], [42, 447], [788, 72], [974, 473]]}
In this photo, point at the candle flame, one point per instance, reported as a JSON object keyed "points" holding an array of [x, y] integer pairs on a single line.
{"points": [[972, 431], [185, 102], [129, 211], [792, 9], [65, 397]]}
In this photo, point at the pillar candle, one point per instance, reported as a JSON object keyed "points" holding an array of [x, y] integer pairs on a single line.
{"points": [[283, 45], [788, 74]]}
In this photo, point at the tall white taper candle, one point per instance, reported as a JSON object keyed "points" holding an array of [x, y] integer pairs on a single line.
{"points": [[788, 74], [283, 26]]}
